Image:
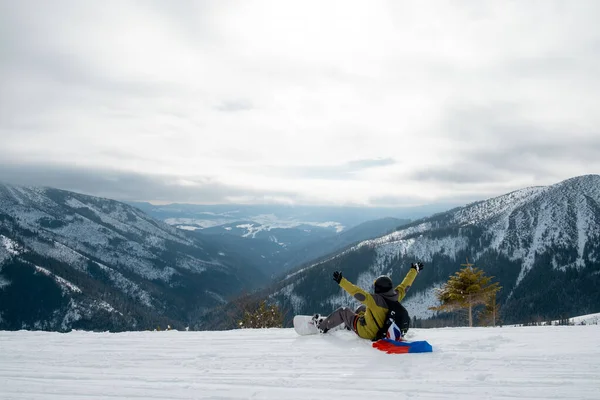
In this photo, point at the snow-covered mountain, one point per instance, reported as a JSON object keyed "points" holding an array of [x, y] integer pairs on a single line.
{"points": [[541, 243], [70, 260]]}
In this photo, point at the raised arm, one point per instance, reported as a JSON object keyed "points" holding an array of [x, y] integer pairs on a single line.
{"points": [[354, 290], [408, 280]]}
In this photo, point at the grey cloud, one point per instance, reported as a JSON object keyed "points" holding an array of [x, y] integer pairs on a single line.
{"points": [[580, 150], [462, 173], [45, 76], [127, 186], [494, 143], [369, 163], [393, 200], [329, 172], [235, 106], [67, 82], [70, 72], [36, 50], [541, 161], [469, 123], [537, 160]]}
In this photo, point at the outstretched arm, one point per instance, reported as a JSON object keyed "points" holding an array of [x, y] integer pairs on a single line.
{"points": [[357, 292], [406, 283], [408, 280]]}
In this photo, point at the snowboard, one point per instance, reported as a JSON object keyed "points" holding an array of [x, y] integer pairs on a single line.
{"points": [[304, 325]]}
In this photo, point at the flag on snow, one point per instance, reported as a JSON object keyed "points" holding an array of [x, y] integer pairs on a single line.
{"points": [[400, 347]]}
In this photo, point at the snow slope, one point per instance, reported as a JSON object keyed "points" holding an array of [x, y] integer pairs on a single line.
{"points": [[492, 363]]}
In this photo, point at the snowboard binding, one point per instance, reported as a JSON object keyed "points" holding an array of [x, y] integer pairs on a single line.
{"points": [[317, 319]]}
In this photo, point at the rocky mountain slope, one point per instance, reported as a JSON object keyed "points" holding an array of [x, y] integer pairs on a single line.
{"points": [[73, 261], [541, 243]]}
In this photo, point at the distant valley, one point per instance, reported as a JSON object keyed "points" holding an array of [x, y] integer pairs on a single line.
{"points": [[69, 260], [281, 237]]}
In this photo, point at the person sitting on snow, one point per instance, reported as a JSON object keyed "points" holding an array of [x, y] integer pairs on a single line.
{"points": [[369, 318]]}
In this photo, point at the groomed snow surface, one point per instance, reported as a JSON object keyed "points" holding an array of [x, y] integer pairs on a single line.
{"points": [[544, 362]]}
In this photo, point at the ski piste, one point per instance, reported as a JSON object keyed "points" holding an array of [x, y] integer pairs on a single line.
{"points": [[304, 325]]}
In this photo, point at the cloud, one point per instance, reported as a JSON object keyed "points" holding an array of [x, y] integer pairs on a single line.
{"points": [[364, 164], [126, 186], [345, 171], [458, 173], [235, 106], [265, 100], [495, 144]]}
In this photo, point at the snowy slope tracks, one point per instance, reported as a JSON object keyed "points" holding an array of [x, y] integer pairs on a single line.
{"points": [[491, 363]]}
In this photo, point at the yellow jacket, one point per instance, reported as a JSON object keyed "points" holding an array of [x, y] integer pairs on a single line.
{"points": [[373, 317]]}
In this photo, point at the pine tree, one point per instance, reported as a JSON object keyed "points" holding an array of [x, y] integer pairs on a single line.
{"points": [[265, 316], [466, 289], [490, 314]]}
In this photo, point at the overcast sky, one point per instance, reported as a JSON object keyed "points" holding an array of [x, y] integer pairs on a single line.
{"points": [[307, 102]]}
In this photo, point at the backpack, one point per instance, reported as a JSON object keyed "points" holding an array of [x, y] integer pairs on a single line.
{"points": [[396, 324]]}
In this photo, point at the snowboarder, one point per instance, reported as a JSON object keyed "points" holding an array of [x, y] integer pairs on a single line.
{"points": [[368, 319]]}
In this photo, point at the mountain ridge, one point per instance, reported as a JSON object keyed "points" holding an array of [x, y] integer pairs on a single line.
{"points": [[101, 264], [108, 250], [555, 229]]}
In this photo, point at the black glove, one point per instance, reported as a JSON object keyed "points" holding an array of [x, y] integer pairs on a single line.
{"points": [[417, 266], [337, 276]]}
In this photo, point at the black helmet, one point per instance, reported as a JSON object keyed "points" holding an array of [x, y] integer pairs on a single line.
{"points": [[383, 284]]}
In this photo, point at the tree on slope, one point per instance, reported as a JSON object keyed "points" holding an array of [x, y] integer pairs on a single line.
{"points": [[490, 314], [466, 289], [264, 316]]}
